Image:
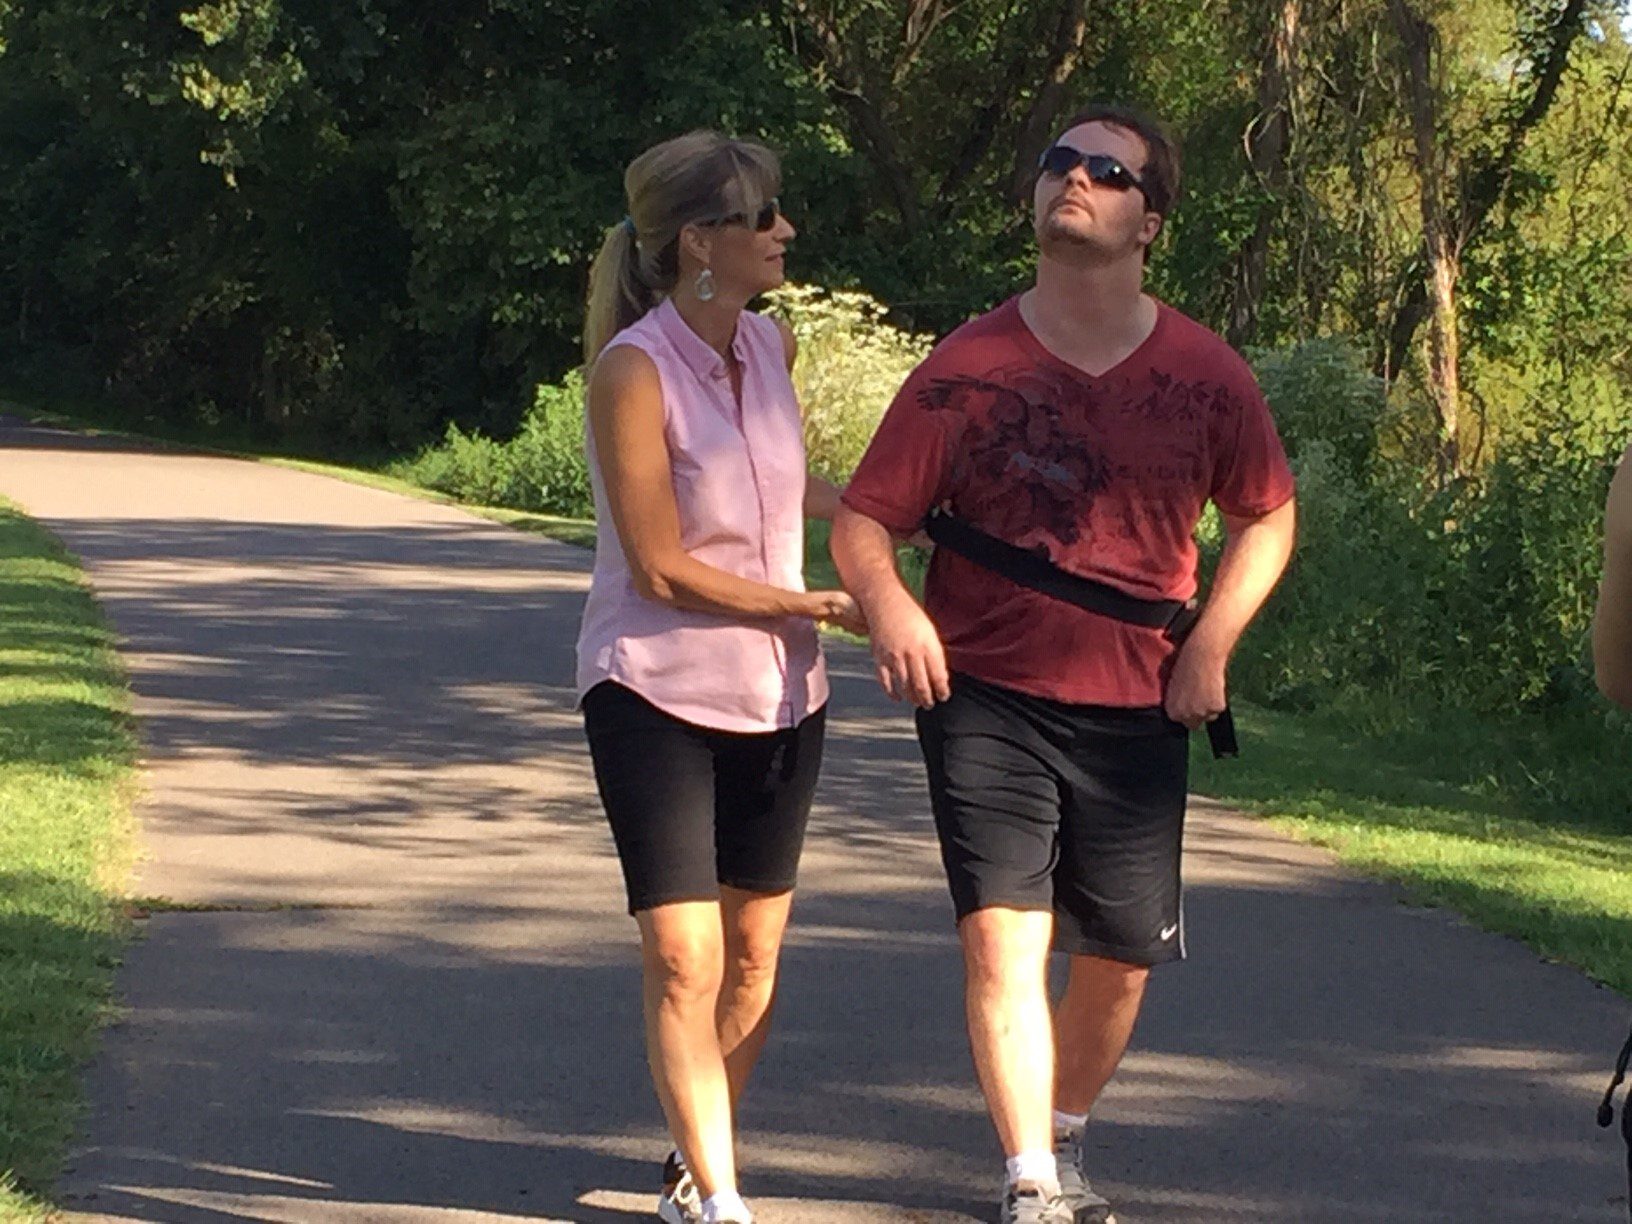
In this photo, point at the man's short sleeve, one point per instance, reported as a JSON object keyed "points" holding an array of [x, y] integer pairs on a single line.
{"points": [[1251, 476], [905, 470]]}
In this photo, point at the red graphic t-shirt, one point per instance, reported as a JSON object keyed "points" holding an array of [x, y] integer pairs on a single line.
{"points": [[1107, 476]]}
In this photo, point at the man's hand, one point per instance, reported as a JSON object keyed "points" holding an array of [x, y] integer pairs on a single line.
{"points": [[907, 652], [1256, 549], [1196, 688]]}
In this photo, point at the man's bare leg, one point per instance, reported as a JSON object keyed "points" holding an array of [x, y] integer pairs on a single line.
{"points": [[1092, 1024], [1006, 961]]}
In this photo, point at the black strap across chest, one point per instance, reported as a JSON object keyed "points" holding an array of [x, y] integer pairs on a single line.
{"points": [[1035, 572], [1038, 573]]}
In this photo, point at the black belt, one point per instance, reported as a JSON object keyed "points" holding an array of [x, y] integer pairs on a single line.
{"points": [[1028, 569]]}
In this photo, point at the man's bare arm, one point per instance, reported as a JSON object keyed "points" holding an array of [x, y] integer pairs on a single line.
{"points": [[1256, 551], [1612, 626], [907, 652]]}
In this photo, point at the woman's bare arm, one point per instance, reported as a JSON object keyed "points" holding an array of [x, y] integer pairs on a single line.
{"points": [[626, 417]]}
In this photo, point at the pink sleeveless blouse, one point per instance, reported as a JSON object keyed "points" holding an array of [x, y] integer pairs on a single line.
{"points": [[739, 485]]}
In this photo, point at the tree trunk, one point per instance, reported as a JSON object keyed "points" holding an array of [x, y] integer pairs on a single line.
{"points": [[847, 86], [1065, 56], [1489, 183], [1268, 141], [1419, 38], [1444, 352]]}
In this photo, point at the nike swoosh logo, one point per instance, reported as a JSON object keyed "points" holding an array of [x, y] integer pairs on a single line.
{"points": [[1169, 932]]}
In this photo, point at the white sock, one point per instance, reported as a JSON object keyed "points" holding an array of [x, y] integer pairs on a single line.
{"points": [[725, 1205], [1069, 1122], [1038, 1168]]}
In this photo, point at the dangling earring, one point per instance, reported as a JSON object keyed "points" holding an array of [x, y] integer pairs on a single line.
{"points": [[705, 285]]}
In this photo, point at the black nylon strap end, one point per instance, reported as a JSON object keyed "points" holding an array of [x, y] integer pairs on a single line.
{"points": [[1606, 1113], [1221, 736]]}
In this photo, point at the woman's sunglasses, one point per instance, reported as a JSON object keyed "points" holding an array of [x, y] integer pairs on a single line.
{"points": [[1101, 168], [762, 220]]}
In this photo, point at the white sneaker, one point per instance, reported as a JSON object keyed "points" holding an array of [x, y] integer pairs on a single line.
{"points": [[679, 1203], [1027, 1203], [1087, 1207]]}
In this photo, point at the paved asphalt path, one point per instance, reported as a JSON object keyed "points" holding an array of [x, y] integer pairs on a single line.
{"points": [[407, 992]]}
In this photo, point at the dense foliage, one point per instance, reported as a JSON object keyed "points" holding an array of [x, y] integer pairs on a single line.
{"points": [[353, 222], [1477, 596]]}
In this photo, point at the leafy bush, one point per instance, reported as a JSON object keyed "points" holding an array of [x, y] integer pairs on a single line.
{"points": [[851, 363], [1522, 558], [1477, 598], [1351, 613], [1323, 393], [542, 468]]}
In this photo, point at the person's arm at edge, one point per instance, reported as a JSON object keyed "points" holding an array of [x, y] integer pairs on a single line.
{"points": [[821, 498], [821, 495], [626, 417], [907, 652], [1256, 551], [1612, 622]]}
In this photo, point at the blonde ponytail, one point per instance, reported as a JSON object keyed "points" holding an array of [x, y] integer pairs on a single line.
{"points": [[618, 295]]}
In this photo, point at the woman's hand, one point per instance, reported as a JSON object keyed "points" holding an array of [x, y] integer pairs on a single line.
{"points": [[837, 608]]}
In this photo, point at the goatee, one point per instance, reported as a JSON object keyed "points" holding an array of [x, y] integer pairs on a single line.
{"points": [[1066, 245]]}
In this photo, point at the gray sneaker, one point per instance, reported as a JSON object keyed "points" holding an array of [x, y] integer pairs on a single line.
{"points": [[1024, 1203], [680, 1203], [1086, 1206]]}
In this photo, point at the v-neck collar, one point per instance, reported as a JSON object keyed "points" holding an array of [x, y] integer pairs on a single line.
{"points": [[1139, 354]]}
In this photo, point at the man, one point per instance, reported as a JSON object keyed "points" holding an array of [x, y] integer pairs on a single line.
{"points": [[1612, 627], [1086, 422]]}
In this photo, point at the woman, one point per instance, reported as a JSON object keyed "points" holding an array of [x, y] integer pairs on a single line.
{"points": [[702, 682]]}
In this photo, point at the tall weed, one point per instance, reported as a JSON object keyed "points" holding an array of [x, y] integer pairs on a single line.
{"points": [[851, 363]]}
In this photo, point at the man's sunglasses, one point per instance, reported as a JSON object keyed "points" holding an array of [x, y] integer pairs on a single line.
{"points": [[763, 220], [1101, 168]]}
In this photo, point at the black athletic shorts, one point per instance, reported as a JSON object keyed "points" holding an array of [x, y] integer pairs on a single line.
{"points": [[1079, 809], [692, 808]]}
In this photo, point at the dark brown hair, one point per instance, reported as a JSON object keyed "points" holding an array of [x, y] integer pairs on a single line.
{"points": [[1161, 172]]}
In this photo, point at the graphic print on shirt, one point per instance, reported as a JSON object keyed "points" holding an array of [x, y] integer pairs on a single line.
{"points": [[1043, 459], [1023, 471]]}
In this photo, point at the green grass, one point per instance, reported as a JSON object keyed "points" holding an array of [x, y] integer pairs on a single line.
{"points": [[1436, 809], [67, 769]]}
